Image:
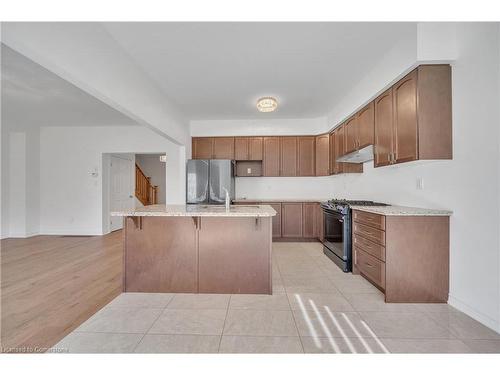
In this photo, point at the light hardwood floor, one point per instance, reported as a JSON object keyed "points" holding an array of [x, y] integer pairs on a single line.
{"points": [[51, 284]]}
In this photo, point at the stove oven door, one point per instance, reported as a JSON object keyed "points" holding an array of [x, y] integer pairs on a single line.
{"points": [[335, 233]]}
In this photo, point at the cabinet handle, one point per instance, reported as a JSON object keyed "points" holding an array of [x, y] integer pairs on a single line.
{"points": [[368, 264]]}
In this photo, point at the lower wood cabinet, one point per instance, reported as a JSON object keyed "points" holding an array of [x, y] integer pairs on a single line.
{"points": [[407, 257], [295, 220], [291, 221], [309, 220]]}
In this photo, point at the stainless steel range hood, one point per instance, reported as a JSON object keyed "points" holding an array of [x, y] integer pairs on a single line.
{"points": [[360, 156]]}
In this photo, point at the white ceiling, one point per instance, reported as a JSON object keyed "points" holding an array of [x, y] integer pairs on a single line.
{"points": [[34, 96], [218, 70]]}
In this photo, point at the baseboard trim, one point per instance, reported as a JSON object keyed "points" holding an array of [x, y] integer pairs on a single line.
{"points": [[473, 313], [21, 235]]}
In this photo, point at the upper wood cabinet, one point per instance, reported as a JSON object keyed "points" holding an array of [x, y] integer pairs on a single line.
{"points": [[289, 152], [241, 148], [202, 148], [223, 148], [271, 157], [419, 124], [255, 148], [365, 119], [333, 165], [383, 129], [307, 156], [359, 130], [248, 148], [323, 155], [350, 135]]}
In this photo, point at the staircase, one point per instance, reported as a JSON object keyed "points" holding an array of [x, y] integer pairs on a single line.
{"points": [[144, 190]]}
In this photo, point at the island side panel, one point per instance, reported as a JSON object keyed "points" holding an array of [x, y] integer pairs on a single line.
{"points": [[161, 255], [417, 259], [235, 255]]}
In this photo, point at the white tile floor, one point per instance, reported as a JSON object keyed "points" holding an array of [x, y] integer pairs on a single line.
{"points": [[315, 308]]}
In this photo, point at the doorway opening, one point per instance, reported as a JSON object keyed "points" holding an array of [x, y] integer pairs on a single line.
{"points": [[131, 180]]}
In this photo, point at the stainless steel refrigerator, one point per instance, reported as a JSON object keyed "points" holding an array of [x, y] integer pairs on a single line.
{"points": [[206, 181]]}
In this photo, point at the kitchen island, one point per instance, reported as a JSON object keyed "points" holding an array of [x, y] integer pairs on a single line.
{"points": [[198, 249]]}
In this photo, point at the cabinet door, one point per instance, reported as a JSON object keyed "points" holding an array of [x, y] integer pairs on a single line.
{"points": [[365, 124], [405, 118], [241, 148], [339, 148], [333, 163], [323, 155], [271, 159], [288, 156], [276, 219], [320, 229], [224, 148], [307, 157], [350, 135], [291, 220], [202, 148], [309, 219], [255, 148], [383, 129]]}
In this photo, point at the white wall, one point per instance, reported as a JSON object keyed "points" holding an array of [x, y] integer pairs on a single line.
{"points": [[202, 128], [20, 183], [154, 168], [86, 55], [71, 200]]}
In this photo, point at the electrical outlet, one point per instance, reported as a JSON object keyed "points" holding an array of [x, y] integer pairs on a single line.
{"points": [[420, 183], [249, 170]]}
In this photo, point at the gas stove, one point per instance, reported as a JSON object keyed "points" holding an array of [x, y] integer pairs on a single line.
{"points": [[343, 205]]}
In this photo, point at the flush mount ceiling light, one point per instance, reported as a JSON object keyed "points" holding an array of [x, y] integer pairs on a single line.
{"points": [[267, 104]]}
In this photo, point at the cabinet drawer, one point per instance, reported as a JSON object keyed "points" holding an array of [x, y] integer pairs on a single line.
{"points": [[372, 248], [370, 267], [370, 233], [373, 220]]}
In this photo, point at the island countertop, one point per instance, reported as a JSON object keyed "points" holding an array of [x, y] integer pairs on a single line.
{"points": [[199, 210]]}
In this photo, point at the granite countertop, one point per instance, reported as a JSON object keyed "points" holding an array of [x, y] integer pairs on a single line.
{"points": [[199, 210], [402, 211]]}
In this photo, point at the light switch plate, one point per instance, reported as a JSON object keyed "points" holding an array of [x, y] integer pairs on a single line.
{"points": [[249, 170], [420, 183]]}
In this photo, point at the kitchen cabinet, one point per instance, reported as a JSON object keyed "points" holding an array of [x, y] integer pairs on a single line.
{"points": [[407, 257], [223, 148], [333, 163], [383, 129], [365, 124], [248, 148], [340, 150], [241, 148], [309, 220], [320, 228], [291, 220], [202, 148], [323, 155], [307, 156], [288, 158], [421, 125], [359, 130], [350, 135], [271, 157], [255, 148]]}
